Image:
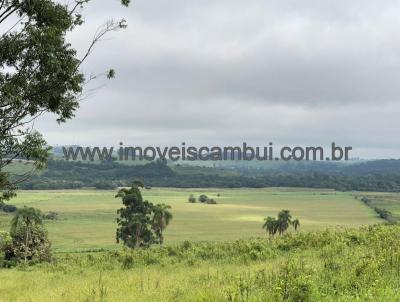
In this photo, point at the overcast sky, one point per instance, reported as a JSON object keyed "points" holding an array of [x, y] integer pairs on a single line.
{"points": [[223, 72]]}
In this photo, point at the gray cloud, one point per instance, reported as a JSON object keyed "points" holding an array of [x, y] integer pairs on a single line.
{"points": [[306, 72]]}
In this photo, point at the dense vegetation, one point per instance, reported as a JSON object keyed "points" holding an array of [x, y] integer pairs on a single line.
{"points": [[341, 265], [370, 176]]}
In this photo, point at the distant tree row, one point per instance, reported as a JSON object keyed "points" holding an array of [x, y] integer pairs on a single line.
{"points": [[382, 213], [202, 199], [109, 175]]}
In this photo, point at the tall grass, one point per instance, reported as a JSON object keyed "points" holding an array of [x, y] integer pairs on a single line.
{"points": [[332, 265]]}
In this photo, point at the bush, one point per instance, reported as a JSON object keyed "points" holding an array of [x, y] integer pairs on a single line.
{"points": [[211, 201], [192, 199], [128, 261], [203, 198], [366, 200], [9, 208]]}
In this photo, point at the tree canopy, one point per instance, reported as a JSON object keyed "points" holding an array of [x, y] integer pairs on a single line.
{"points": [[29, 236], [140, 222], [280, 224], [40, 73]]}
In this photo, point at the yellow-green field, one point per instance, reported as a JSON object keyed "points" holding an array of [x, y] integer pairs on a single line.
{"points": [[87, 217]]}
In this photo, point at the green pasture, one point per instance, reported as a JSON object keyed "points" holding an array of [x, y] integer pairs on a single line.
{"points": [[87, 217]]}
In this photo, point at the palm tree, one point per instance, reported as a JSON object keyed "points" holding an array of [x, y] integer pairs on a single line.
{"points": [[161, 219], [26, 218], [138, 220], [270, 225], [284, 220], [296, 224]]}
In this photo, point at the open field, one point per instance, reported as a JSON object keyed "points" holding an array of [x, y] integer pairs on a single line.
{"points": [[87, 217], [345, 265]]}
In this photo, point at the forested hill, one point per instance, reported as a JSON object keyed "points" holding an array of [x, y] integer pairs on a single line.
{"points": [[387, 166], [380, 175]]}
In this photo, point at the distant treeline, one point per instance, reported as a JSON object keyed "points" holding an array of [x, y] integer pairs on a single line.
{"points": [[61, 174]]}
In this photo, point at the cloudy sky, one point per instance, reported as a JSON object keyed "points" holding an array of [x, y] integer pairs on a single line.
{"points": [[222, 72]]}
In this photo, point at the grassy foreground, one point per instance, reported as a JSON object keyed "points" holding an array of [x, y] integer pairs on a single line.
{"points": [[87, 217], [332, 265]]}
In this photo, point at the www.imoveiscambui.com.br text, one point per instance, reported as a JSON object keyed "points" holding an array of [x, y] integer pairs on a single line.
{"points": [[204, 153]]}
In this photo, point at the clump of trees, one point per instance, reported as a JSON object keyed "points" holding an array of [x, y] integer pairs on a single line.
{"points": [[211, 201], [27, 239], [280, 224], [140, 222], [202, 199]]}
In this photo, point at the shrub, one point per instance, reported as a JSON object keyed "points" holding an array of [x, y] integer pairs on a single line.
{"points": [[127, 261], [192, 199], [9, 208], [203, 198], [211, 201], [186, 245], [366, 200]]}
